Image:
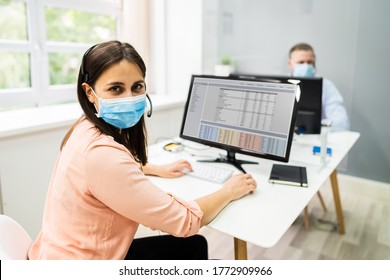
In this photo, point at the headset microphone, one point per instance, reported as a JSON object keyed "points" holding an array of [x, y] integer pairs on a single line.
{"points": [[149, 113]]}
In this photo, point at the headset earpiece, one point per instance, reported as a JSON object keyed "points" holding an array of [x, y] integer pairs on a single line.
{"points": [[84, 74]]}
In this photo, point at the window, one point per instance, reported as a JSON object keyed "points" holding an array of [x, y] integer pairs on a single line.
{"points": [[42, 43]]}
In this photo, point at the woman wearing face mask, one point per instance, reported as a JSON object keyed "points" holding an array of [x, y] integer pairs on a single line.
{"points": [[302, 64], [99, 194]]}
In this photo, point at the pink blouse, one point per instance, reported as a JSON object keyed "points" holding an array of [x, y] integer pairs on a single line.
{"points": [[97, 198]]}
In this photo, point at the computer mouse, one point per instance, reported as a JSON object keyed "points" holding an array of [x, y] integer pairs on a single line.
{"points": [[185, 170]]}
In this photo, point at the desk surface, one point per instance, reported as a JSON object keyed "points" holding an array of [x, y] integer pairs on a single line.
{"points": [[263, 217]]}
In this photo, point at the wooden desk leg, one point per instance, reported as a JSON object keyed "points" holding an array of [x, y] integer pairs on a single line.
{"points": [[240, 249], [306, 219], [337, 202], [322, 201]]}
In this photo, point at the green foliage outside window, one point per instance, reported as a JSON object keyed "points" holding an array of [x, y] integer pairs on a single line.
{"points": [[64, 68], [75, 26], [13, 24], [62, 26], [14, 70]]}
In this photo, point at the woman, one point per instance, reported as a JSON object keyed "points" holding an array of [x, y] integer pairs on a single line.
{"points": [[99, 194]]}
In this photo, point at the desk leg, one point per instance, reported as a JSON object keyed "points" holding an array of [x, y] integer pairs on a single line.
{"points": [[306, 219], [240, 249], [337, 202]]}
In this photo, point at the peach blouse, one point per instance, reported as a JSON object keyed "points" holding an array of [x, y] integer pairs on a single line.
{"points": [[97, 198]]}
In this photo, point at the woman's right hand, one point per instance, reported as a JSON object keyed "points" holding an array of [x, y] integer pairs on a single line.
{"points": [[236, 187], [240, 185]]}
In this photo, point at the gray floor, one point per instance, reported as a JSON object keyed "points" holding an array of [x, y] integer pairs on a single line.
{"points": [[366, 206]]}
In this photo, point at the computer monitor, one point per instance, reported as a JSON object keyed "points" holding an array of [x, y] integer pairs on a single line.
{"points": [[309, 113], [240, 116]]}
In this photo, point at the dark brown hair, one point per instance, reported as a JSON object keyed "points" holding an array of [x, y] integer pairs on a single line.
{"points": [[95, 61]]}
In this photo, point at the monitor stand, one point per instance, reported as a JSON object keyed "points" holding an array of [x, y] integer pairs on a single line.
{"points": [[230, 158]]}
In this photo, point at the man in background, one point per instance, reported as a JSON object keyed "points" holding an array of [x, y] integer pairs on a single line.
{"points": [[302, 64]]}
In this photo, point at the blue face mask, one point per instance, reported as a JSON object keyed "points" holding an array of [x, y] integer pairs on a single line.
{"points": [[122, 112], [304, 70]]}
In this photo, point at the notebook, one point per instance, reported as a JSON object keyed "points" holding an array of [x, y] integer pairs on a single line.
{"points": [[288, 175]]}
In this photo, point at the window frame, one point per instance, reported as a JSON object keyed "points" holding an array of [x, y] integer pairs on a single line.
{"points": [[41, 93]]}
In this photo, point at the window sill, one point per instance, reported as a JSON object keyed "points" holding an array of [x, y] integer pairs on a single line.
{"points": [[30, 120]]}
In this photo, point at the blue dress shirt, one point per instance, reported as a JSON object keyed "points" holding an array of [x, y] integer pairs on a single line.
{"points": [[333, 108]]}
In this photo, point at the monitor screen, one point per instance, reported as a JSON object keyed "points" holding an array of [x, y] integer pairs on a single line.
{"points": [[309, 113], [240, 116]]}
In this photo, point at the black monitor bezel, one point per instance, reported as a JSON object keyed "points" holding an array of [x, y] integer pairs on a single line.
{"points": [[233, 149], [306, 106]]}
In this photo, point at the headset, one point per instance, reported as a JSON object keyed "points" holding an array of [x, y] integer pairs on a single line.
{"points": [[85, 77], [149, 113]]}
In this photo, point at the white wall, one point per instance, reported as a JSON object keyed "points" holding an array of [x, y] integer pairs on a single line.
{"points": [[370, 104], [26, 163], [183, 44]]}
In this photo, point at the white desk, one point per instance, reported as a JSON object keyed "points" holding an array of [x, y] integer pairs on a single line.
{"points": [[263, 217]]}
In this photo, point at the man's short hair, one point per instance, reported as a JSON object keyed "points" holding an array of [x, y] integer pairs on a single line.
{"points": [[301, 47]]}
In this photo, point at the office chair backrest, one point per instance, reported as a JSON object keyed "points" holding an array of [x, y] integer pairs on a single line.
{"points": [[14, 240]]}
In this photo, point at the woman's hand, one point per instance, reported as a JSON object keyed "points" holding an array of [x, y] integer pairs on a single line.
{"points": [[170, 170], [240, 185], [236, 187]]}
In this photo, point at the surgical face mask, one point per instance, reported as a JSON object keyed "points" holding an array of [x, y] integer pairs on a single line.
{"points": [[121, 112], [304, 70]]}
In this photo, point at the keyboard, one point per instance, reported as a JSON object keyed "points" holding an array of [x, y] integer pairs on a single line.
{"points": [[209, 172]]}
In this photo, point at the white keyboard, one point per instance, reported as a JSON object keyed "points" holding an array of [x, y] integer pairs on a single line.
{"points": [[209, 172]]}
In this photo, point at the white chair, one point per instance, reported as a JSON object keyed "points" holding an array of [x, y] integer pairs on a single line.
{"points": [[14, 240]]}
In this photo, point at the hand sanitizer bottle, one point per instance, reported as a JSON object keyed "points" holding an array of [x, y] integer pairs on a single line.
{"points": [[325, 128]]}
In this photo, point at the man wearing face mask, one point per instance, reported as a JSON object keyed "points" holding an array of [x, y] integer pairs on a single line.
{"points": [[302, 64]]}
